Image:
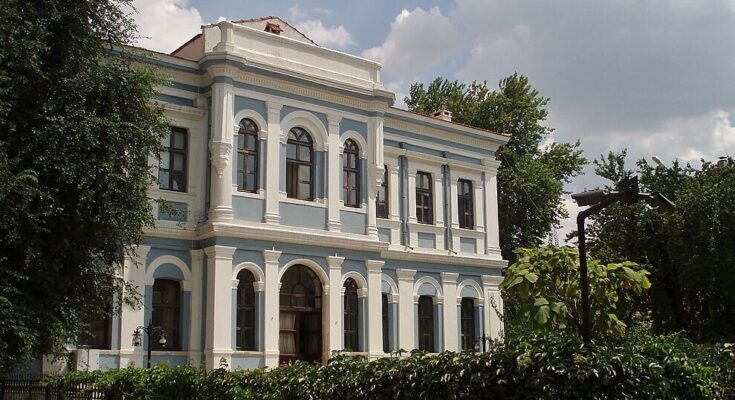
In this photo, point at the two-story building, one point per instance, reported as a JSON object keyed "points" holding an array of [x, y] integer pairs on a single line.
{"points": [[312, 215]]}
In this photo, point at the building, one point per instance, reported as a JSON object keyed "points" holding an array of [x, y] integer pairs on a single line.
{"points": [[305, 213]]}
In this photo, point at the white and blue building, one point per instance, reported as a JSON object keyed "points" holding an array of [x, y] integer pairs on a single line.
{"points": [[312, 216]]}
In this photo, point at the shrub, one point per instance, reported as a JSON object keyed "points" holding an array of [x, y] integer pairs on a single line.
{"points": [[531, 367]]}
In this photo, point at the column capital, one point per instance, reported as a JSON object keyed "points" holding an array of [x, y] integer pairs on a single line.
{"points": [[273, 106], [362, 293], [393, 298], [196, 255], [491, 165], [258, 286], [491, 281], [449, 277], [235, 283], [405, 274], [335, 261], [220, 252], [138, 253], [374, 265], [334, 118], [271, 256]]}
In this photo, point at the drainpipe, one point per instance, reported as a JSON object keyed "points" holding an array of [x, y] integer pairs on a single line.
{"points": [[403, 169], [447, 181]]}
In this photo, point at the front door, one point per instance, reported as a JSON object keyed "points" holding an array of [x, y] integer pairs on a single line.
{"points": [[300, 320]]}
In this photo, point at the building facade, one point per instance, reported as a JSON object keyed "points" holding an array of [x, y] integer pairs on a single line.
{"points": [[304, 214]]}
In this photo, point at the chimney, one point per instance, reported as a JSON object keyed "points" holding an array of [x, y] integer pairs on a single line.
{"points": [[444, 115], [273, 28]]}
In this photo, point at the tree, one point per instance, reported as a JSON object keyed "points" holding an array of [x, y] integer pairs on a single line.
{"points": [[531, 177], [545, 283], [77, 126], [689, 251]]}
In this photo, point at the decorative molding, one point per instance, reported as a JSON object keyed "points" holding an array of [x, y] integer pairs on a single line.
{"points": [[271, 256], [218, 252], [449, 277], [405, 274], [220, 153], [335, 262], [374, 265], [491, 281]]}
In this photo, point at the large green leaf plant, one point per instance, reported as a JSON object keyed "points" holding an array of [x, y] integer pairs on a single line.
{"points": [[544, 283]]}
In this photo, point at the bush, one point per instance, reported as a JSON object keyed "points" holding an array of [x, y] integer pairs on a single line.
{"points": [[531, 367]]}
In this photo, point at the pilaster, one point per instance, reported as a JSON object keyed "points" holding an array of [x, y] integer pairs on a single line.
{"points": [[273, 157], [492, 230], [333, 184], [272, 308], [449, 288], [131, 317], [220, 148], [219, 305], [195, 326], [375, 308], [335, 302], [493, 306], [406, 340]]}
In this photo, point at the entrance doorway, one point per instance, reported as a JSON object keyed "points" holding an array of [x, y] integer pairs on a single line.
{"points": [[300, 318]]}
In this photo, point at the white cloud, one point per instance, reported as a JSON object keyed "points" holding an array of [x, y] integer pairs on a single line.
{"points": [[418, 41], [164, 25], [569, 224], [297, 13], [336, 36]]}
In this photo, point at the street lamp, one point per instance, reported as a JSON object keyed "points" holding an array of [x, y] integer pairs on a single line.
{"points": [[153, 333], [483, 339], [627, 193]]}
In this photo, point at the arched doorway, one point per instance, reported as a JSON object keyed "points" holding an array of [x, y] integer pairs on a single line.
{"points": [[300, 320]]}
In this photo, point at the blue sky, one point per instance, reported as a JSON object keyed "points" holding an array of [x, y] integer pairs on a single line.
{"points": [[655, 77]]}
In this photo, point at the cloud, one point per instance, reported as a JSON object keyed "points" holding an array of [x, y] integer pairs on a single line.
{"points": [[568, 225], [418, 40], [164, 25], [297, 13], [336, 36]]}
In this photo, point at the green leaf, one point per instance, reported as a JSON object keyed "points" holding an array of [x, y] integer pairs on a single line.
{"points": [[531, 277]]}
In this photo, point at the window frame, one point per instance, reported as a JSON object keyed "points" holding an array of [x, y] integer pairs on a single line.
{"points": [[171, 151], [424, 198], [385, 316], [351, 316], [173, 336], [468, 322], [245, 152], [245, 289], [426, 323], [351, 149], [292, 165], [466, 204], [384, 186]]}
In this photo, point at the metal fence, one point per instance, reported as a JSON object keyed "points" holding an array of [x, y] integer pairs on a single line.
{"points": [[30, 387]]}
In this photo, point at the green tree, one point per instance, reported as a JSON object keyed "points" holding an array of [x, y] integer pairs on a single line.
{"points": [[689, 251], [77, 126], [531, 177], [545, 283]]}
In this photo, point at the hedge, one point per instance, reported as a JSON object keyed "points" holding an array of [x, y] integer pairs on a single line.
{"points": [[534, 367]]}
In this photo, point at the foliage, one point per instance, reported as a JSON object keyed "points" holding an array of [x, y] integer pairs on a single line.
{"points": [[546, 283], [531, 176], [532, 367], [689, 251], [76, 130]]}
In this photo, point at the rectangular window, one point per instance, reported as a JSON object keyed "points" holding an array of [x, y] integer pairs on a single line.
{"points": [[467, 311], [173, 160], [99, 336], [166, 314], [426, 324], [381, 199], [465, 203], [424, 198]]}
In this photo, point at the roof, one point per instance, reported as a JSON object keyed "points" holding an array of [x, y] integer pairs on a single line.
{"points": [[240, 21], [504, 134]]}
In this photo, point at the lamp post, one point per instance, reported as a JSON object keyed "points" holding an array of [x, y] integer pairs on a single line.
{"points": [[153, 333], [483, 339], [627, 193]]}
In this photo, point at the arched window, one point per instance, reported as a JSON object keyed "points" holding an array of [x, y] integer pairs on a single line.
{"points": [[424, 198], [351, 315], [426, 323], [299, 165], [467, 318], [247, 156], [351, 174], [245, 331], [300, 318], [166, 313]]}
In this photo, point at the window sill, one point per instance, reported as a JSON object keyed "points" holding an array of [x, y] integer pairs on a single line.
{"points": [[313, 203], [362, 209], [240, 193], [388, 223], [419, 227], [170, 194], [175, 353], [473, 233], [253, 353]]}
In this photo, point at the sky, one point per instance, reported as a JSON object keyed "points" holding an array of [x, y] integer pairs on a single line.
{"points": [[653, 77]]}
